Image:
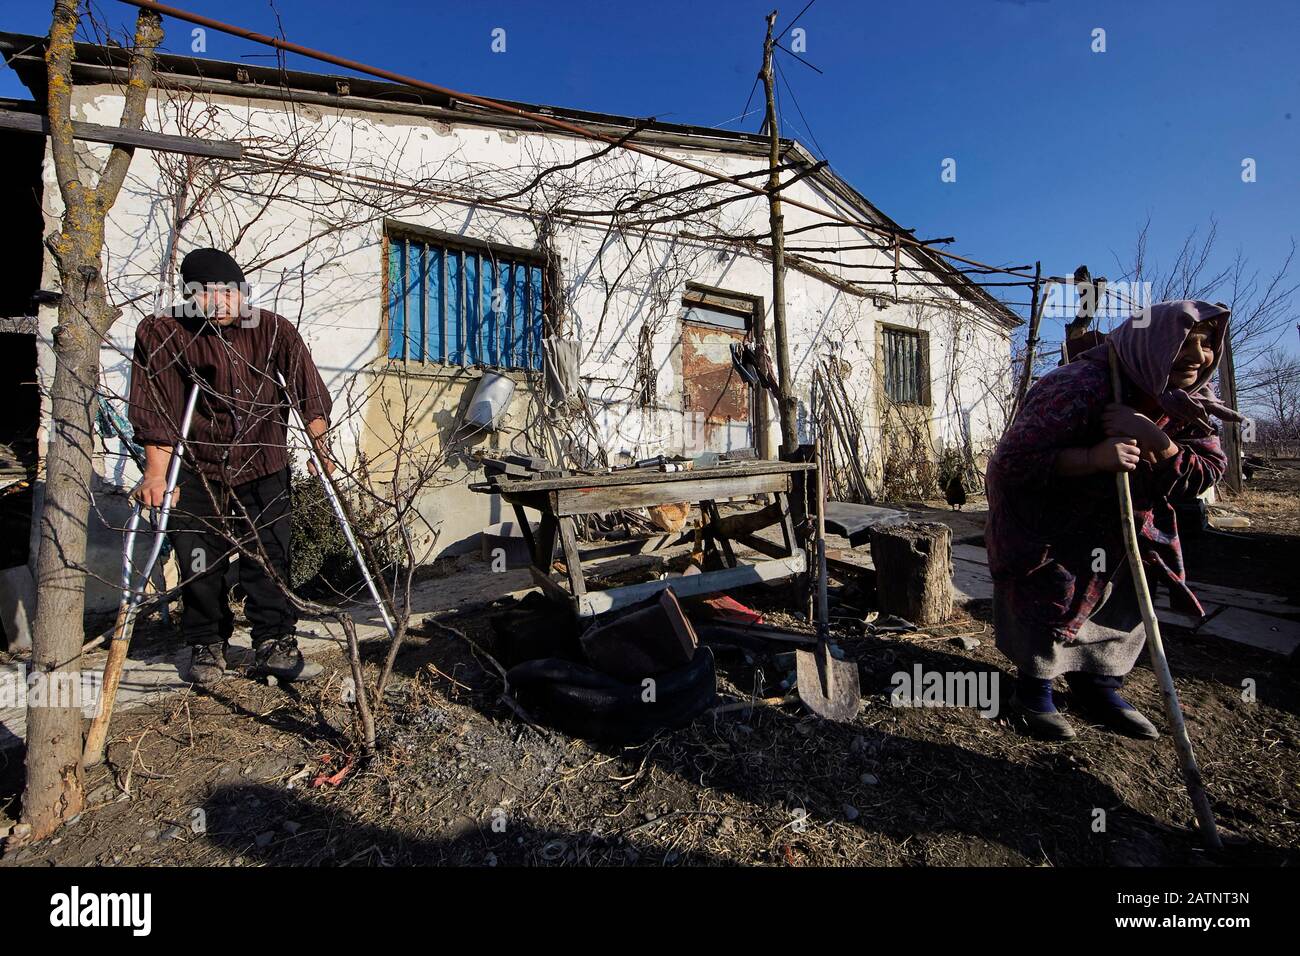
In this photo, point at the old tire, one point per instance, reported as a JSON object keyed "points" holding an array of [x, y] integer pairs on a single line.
{"points": [[584, 702]]}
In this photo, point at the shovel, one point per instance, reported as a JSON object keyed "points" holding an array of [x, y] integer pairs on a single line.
{"points": [[828, 686]]}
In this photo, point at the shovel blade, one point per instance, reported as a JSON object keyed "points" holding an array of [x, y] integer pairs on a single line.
{"points": [[828, 687]]}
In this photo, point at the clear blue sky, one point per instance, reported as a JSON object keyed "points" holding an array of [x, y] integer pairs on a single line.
{"points": [[1061, 152]]}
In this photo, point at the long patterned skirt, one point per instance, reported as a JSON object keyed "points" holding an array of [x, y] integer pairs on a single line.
{"points": [[1109, 642]]}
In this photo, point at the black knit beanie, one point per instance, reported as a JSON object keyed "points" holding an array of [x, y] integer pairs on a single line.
{"points": [[205, 266]]}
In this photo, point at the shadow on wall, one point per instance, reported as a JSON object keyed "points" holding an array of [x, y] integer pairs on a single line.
{"points": [[421, 410]]}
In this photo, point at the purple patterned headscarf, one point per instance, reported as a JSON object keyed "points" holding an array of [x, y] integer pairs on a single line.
{"points": [[1148, 343]]}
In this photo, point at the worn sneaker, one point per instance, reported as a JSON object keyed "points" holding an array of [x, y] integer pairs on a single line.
{"points": [[281, 658], [207, 664]]}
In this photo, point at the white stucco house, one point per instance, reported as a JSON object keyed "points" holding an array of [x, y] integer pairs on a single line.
{"points": [[420, 241]]}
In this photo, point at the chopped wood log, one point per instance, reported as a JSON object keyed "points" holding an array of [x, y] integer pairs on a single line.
{"points": [[914, 570]]}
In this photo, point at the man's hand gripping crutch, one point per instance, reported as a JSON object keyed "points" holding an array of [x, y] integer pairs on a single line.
{"points": [[132, 596]]}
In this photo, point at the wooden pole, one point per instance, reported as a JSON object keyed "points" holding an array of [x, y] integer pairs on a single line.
{"points": [[120, 136], [1231, 430], [1031, 342], [785, 395], [1156, 649]]}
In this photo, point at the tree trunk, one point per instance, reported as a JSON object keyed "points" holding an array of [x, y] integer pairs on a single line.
{"points": [[54, 787], [54, 777], [914, 571]]}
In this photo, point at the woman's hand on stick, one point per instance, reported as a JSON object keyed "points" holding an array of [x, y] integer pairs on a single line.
{"points": [[1122, 421], [1115, 454]]}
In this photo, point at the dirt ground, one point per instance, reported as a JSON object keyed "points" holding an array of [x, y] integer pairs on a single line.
{"points": [[251, 775]]}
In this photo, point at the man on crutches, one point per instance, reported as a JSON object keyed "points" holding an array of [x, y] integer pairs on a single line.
{"points": [[234, 478]]}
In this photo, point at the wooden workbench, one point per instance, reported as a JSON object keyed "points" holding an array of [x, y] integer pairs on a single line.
{"points": [[560, 500]]}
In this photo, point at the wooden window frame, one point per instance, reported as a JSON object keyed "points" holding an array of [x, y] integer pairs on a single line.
{"points": [[752, 308], [456, 243], [923, 362]]}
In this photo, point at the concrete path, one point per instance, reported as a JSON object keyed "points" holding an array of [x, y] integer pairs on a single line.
{"points": [[1264, 621]]}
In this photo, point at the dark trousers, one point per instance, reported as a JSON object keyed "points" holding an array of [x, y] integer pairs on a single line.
{"points": [[203, 532]]}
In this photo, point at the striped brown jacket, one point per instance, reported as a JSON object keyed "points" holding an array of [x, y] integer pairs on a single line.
{"points": [[240, 422]]}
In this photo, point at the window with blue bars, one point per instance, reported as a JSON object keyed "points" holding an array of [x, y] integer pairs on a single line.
{"points": [[454, 305]]}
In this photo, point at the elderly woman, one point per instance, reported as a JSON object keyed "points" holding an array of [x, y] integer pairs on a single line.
{"points": [[1064, 602]]}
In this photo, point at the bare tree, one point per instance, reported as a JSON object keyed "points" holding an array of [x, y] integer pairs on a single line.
{"points": [[1265, 306], [1272, 391], [54, 790]]}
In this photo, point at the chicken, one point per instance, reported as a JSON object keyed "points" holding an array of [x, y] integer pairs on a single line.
{"points": [[954, 492]]}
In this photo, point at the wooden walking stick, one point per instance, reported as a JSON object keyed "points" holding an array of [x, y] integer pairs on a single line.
{"points": [[133, 597], [1156, 648]]}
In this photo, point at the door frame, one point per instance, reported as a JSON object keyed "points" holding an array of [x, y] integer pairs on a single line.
{"points": [[752, 309]]}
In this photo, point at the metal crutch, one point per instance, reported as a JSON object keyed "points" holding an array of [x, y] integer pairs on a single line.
{"points": [[133, 597], [337, 505]]}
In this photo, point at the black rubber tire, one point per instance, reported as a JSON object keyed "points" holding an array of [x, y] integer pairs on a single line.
{"points": [[586, 703]]}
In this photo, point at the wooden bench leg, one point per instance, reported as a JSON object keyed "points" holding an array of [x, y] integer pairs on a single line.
{"points": [[569, 543], [544, 545], [787, 522], [526, 527], [709, 509]]}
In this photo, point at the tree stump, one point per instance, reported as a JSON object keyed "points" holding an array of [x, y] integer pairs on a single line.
{"points": [[914, 570]]}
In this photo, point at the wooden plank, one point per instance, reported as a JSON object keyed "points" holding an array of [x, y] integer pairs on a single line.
{"points": [[710, 508], [644, 476], [591, 499], [1273, 634], [598, 602], [854, 521], [750, 522], [635, 546], [763, 546], [541, 501], [971, 582], [527, 528], [1238, 597], [163, 142], [844, 562], [1167, 615], [970, 552]]}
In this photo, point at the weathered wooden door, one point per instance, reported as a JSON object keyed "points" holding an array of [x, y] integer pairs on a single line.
{"points": [[716, 401]]}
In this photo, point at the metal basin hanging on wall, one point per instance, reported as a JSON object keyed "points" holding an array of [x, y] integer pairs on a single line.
{"points": [[490, 402]]}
